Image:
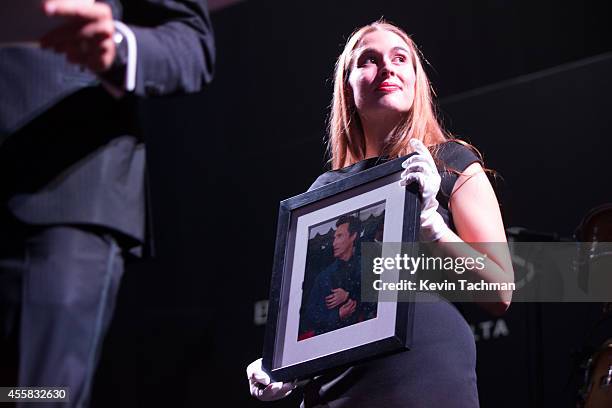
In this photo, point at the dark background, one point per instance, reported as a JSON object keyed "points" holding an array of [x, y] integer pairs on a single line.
{"points": [[527, 82]]}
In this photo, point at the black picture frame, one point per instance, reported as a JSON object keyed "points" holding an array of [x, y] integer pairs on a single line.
{"points": [[285, 287]]}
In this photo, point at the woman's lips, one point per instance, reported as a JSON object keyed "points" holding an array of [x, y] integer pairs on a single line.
{"points": [[387, 87]]}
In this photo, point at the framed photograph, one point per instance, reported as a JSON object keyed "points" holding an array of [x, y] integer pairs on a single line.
{"points": [[316, 317]]}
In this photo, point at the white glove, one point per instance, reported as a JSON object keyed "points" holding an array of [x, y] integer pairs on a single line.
{"points": [[422, 169], [262, 388]]}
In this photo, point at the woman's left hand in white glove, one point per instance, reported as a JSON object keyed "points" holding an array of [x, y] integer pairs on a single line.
{"points": [[422, 169]]}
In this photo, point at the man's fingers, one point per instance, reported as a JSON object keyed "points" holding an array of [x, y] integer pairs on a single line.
{"points": [[77, 9], [348, 308], [64, 33], [98, 30], [99, 60], [87, 44], [74, 32]]}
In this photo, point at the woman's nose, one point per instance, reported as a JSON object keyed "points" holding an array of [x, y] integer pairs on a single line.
{"points": [[387, 67]]}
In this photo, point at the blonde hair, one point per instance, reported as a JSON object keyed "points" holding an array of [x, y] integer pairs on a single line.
{"points": [[346, 143]]}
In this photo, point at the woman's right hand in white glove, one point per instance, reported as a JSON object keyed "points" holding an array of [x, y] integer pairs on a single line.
{"points": [[261, 386]]}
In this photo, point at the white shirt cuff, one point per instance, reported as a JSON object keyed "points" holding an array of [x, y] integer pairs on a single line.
{"points": [[130, 71]]}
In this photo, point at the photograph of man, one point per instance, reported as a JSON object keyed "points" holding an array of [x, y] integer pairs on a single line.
{"points": [[335, 298]]}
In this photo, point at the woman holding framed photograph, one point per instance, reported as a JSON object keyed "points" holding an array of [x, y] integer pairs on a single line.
{"points": [[382, 109]]}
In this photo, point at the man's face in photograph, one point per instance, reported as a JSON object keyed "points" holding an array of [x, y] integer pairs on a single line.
{"points": [[343, 242]]}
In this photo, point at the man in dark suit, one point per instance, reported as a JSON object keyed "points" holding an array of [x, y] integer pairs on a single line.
{"points": [[334, 300], [72, 172]]}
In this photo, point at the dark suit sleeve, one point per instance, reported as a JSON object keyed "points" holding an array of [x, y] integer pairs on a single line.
{"points": [[318, 316], [175, 45]]}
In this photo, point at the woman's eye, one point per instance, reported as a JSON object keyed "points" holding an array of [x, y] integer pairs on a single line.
{"points": [[400, 58], [370, 60]]}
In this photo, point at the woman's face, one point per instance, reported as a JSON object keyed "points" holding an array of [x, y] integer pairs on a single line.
{"points": [[382, 76]]}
